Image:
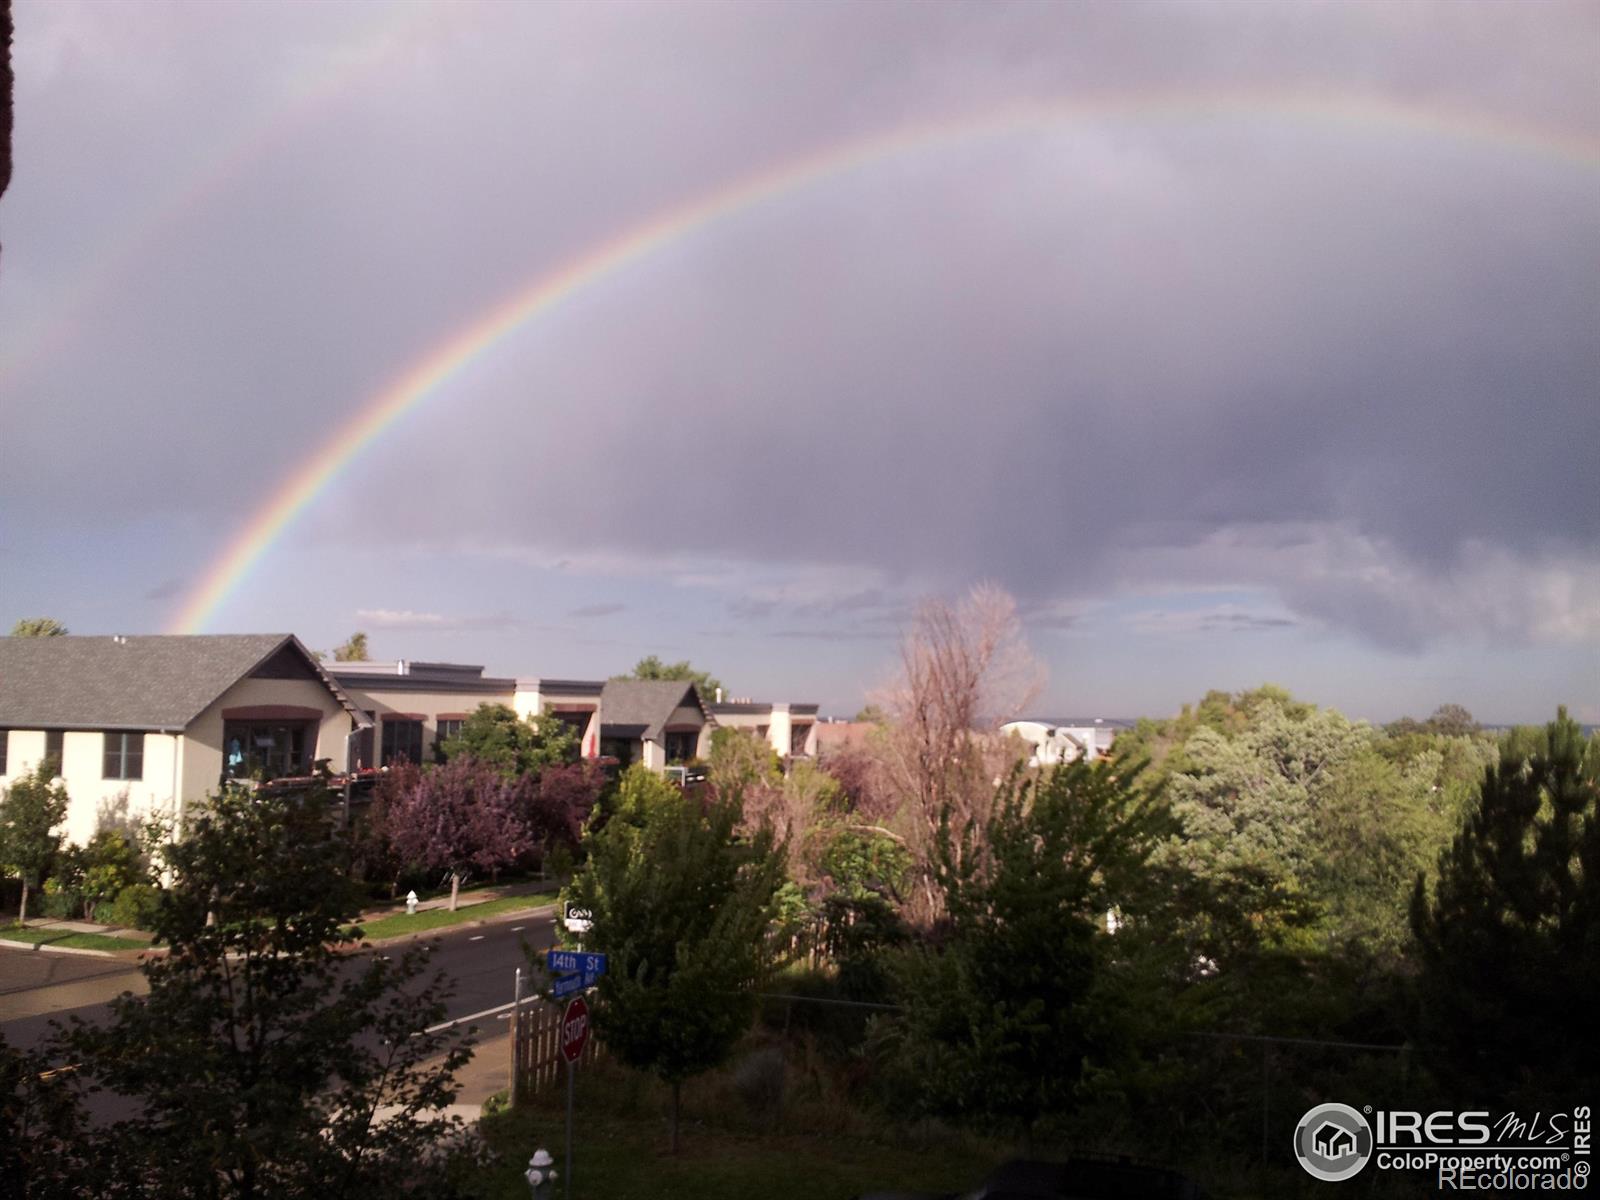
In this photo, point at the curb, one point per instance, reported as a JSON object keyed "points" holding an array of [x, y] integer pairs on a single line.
{"points": [[35, 947]]}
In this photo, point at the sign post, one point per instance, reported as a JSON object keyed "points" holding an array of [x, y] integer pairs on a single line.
{"points": [[574, 1036]]}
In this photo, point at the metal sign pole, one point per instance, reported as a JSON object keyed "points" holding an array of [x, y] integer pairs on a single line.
{"points": [[515, 1088], [571, 1071]]}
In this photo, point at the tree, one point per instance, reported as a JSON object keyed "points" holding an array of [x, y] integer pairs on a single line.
{"points": [[1006, 1018], [652, 667], [494, 734], [965, 670], [456, 817], [1509, 939], [38, 627], [43, 1134], [266, 1045], [683, 908], [30, 810], [739, 762], [353, 650]]}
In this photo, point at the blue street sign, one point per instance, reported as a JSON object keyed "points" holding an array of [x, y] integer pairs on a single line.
{"points": [[568, 984], [572, 962]]}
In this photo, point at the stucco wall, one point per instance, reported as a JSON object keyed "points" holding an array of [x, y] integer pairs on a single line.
{"points": [[202, 748], [96, 802], [429, 704]]}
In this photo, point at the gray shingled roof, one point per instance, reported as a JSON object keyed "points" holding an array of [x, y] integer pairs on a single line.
{"points": [[159, 682], [646, 704]]}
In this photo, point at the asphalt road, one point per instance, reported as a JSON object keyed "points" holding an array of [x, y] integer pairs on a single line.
{"points": [[479, 960]]}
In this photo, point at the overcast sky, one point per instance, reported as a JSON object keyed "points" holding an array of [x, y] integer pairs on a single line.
{"points": [[1264, 349]]}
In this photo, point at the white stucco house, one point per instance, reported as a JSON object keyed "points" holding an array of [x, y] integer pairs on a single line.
{"points": [[136, 725], [1060, 741]]}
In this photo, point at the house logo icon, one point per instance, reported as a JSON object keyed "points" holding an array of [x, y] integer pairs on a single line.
{"points": [[1333, 1142]]}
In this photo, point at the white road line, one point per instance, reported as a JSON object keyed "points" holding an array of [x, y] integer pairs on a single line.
{"points": [[518, 928], [476, 938]]}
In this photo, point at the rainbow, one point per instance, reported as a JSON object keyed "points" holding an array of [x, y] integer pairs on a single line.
{"points": [[435, 370]]}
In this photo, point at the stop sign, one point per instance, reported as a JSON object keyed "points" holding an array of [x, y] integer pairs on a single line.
{"points": [[574, 1029]]}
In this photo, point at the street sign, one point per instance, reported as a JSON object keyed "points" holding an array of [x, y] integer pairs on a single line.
{"points": [[568, 984], [573, 962], [577, 918], [574, 1030]]}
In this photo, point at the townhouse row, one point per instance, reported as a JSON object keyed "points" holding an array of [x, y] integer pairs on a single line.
{"points": [[143, 724]]}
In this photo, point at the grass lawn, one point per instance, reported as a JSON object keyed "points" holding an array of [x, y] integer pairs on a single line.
{"points": [[73, 941], [437, 918], [625, 1158]]}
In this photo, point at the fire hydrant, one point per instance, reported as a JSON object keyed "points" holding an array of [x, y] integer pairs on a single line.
{"points": [[541, 1175], [411, 902]]}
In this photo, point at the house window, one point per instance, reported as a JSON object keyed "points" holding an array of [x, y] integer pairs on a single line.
{"points": [[266, 749], [54, 743], [402, 739], [5, 737], [620, 749], [124, 756], [681, 746], [449, 729], [797, 739]]}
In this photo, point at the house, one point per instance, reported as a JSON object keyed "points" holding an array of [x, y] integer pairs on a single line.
{"points": [[413, 706], [656, 722], [790, 729], [138, 725], [574, 701], [1065, 739]]}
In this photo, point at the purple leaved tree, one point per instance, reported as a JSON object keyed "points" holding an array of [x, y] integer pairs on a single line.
{"points": [[455, 817]]}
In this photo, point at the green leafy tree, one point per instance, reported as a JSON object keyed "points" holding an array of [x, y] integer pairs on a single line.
{"points": [[44, 1153], [1509, 938], [353, 650], [38, 627], [1005, 1021], [683, 908], [266, 1045], [652, 667], [30, 810], [494, 734]]}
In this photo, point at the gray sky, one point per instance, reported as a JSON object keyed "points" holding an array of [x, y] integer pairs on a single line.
{"points": [[1270, 355]]}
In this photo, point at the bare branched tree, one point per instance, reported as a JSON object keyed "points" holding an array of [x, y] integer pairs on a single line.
{"points": [[965, 669]]}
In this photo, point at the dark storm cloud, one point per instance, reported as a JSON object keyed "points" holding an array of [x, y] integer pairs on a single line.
{"points": [[1347, 361]]}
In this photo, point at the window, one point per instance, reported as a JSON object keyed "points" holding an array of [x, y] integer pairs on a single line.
{"points": [[449, 729], [54, 742], [797, 738], [5, 737], [124, 756], [401, 739], [681, 746], [266, 749]]}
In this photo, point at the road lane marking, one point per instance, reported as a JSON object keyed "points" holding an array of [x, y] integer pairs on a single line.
{"points": [[476, 938], [488, 1012]]}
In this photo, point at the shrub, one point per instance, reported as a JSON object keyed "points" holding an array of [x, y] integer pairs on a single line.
{"points": [[135, 906]]}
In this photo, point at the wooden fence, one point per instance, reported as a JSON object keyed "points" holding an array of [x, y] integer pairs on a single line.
{"points": [[536, 1062]]}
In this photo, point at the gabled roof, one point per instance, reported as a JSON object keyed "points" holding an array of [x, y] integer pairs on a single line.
{"points": [[159, 682], [646, 705]]}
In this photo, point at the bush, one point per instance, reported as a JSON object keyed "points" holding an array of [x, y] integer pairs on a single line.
{"points": [[134, 907], [61, 901]]}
